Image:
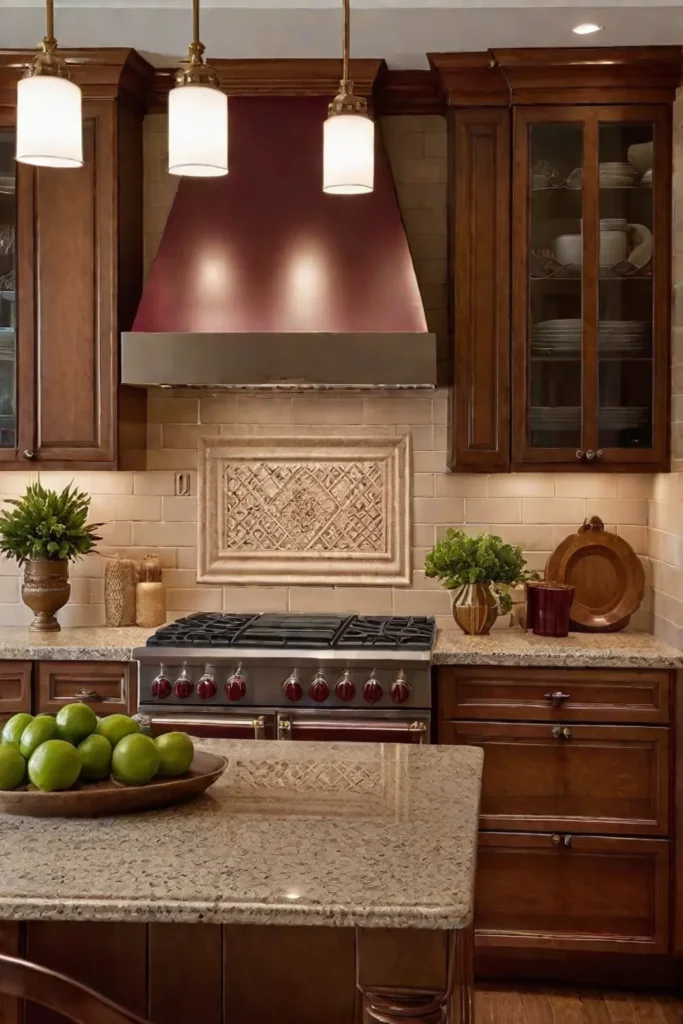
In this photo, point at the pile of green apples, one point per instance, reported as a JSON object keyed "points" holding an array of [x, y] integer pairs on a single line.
{"points": [[76, 746]]}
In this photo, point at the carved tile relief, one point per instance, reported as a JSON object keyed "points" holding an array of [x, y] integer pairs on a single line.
{"points": [[298, 510]]}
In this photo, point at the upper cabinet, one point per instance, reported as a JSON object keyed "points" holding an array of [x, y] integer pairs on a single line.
{"points": [[70, 278], [560, 232]]}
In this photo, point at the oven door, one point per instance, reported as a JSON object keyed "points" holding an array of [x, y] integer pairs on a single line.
{"points": [[249, 726], [380, 727]]}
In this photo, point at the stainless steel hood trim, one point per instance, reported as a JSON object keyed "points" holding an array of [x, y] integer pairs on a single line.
{"points": [[213, 655], [365, 360]]}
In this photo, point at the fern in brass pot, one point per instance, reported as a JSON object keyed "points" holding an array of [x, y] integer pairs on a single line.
{"points": [[480, 570], [44, 531]]}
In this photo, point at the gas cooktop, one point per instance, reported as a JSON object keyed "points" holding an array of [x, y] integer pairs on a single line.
{"points": [[300, 632]]}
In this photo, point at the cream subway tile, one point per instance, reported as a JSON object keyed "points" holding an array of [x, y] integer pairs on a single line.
{"points": [[461, 485], [435, 145], [432, 123], [327, 409], [122, 508], [102, 482], [471, 531], [88, 566], [430, 246], [182, 435], [9, 589], [440, 414], [422, 582], [179, 510], [115, 534], [423, 485], [445, 621], [433, 271], [155, 219], [186, 558], [529, 538], [312, 599], [663, 515], [169, 407], [586, 485], [536, 561], [419, 555], [434, 296], [642, 620], [421, 436], [421, 602], [628, 511], [154, 483], [264, 410], [167, 458], [667, 631], [154, 436], [255, 599], [668, 487], [363, 600], [15, 615], [73, 615], [438, 510], [8, 567], [521, 485], [83, 591], [493, 510], [429, 462], [397, 410], [441, 439], [562, 530], [166, 556], [16, 483], [164, 534], [636, 536], [334, 430], [553, 510], [425, 220], [635, 485], [218, 410], [429, 171], [97, 591], [410, 196], [668, 607], [423, 536], [200, 599], [57, 481], [180, 578]]}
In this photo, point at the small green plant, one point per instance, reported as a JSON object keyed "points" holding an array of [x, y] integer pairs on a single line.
{"points": [[458, 559], [46, 524]]}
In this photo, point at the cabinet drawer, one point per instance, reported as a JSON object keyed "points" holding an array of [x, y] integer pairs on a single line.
{"points": [[549, 695], [105, 686], [605, 778], [598, 893], [15, 688]]}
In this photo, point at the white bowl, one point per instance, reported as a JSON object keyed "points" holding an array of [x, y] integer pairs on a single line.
{"points": [[642, 156]]}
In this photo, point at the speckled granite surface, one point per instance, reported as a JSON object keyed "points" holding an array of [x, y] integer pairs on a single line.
{"points": [[375, 835], [102, 643], [578, 650]]}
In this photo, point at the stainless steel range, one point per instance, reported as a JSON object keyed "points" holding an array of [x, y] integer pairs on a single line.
{"points": [[290, 677]]}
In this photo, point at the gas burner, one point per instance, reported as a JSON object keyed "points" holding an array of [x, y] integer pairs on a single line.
{"points": [[410, 634], [203, 629], [309, 632]]}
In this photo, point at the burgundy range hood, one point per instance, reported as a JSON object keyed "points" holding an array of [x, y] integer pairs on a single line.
{"points": [[262, 280]]}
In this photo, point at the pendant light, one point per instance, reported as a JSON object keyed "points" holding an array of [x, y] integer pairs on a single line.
{"points": [[49, 121], [197, 115], [348, 134]]}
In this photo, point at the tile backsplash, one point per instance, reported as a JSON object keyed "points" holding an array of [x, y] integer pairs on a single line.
{"points": [[142, 513]]}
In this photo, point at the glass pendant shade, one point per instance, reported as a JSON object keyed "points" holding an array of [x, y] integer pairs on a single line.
{"points": [[49, 122], [197, 131], [348, 154]]}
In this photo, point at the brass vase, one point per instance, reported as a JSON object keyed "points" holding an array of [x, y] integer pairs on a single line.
{"points": [[45, 590], [475, 608]]}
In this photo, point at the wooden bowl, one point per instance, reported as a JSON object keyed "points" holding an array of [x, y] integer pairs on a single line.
{"points": [[94, 799]]}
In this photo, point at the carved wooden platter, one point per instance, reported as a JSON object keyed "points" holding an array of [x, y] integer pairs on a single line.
{"points": [[607, 576], [94, 799]]}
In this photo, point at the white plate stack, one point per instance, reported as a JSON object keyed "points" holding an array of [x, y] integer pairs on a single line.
{"points": [[618, 174], [556, 338], [559, 417], [616, 338]]}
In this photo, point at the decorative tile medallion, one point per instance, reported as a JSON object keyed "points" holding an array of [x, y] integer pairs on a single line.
{"points": [[299, 510]]}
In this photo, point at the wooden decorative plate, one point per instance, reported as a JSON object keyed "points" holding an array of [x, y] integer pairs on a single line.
{"points": [[94, 799], [607, 576]]}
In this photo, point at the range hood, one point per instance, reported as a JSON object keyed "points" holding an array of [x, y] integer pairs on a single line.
{"points": [[262, 280]]}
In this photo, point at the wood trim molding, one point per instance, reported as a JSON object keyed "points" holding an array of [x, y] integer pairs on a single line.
{"points": [[408, 92], [470, 79]]}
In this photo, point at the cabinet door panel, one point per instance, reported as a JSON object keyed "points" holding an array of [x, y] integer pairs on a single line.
{"points": [[105, 686], [597, 894], [15, 688], [553, 695], [614, 779]]}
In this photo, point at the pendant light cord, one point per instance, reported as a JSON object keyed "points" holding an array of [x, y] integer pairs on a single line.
{"points": [[346, 36], [195, 23], [49, 42]]}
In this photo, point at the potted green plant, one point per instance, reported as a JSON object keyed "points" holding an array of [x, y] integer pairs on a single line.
{"points": [[480, 570], [44, 532]]}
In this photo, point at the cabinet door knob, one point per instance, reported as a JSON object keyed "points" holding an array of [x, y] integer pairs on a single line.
{"points": [[29, 453], [600, 454], [590, 455], [562, 732], [87, 695], [557, 697], [558, 840], [579, 453]]}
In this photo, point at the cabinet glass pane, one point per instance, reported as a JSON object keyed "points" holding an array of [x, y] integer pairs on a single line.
{"points": [[625, 381], [555, 292], [7, 290]]}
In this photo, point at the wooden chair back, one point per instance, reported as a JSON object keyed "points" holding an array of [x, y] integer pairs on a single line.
{"points": [[56, 992]]}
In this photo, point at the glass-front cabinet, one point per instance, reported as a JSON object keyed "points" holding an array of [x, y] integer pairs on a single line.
{"points": [[590, 283], [8, 290]]}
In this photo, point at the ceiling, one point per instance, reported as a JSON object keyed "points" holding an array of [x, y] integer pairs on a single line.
{"points": [[401, 31]]}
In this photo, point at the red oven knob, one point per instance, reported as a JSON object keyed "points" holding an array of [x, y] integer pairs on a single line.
{"points": [[345, 690], [372, 690], [183, 685], [206, 687], [319, 691], [161, 687], [236, 686], [400, 690], [292, 688]]}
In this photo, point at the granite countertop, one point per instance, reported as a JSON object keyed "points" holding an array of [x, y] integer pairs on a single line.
{"points": [[578, 650], [80, 643], [341, 834]]}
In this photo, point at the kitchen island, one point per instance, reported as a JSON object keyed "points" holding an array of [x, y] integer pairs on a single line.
{"points": [[207, 912]]}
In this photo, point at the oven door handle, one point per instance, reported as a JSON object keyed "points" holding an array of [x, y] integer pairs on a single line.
{"points": [[257, 724], [416, 728]]}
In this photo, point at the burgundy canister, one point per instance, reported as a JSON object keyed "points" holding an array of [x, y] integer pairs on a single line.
{"points": [[550, 607]]}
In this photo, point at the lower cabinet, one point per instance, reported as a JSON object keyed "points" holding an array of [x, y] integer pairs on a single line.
{"points": [[108, 687], [15, 688]]}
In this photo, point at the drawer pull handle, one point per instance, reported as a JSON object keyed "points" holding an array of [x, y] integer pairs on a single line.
{"points": [[87, 695], [557, 697], [562, 732], [558, 841]]}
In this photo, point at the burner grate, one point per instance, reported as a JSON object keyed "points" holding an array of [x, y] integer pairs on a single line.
{"points": [[284, 631], [415, 633], [203, 629]]}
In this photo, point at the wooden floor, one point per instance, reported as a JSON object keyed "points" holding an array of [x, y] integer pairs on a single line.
{"points": [[501, 1004]]}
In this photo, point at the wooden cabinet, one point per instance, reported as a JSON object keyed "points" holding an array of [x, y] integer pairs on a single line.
{"points": [[15, 688], [76, 266], [560, 225], [106, 686], [576, 830]]}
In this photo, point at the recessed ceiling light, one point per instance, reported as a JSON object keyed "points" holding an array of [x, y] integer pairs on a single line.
{"points": [[587, 28]]}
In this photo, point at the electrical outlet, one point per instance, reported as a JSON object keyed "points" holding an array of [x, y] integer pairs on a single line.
{"points": [[182, 484]]}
